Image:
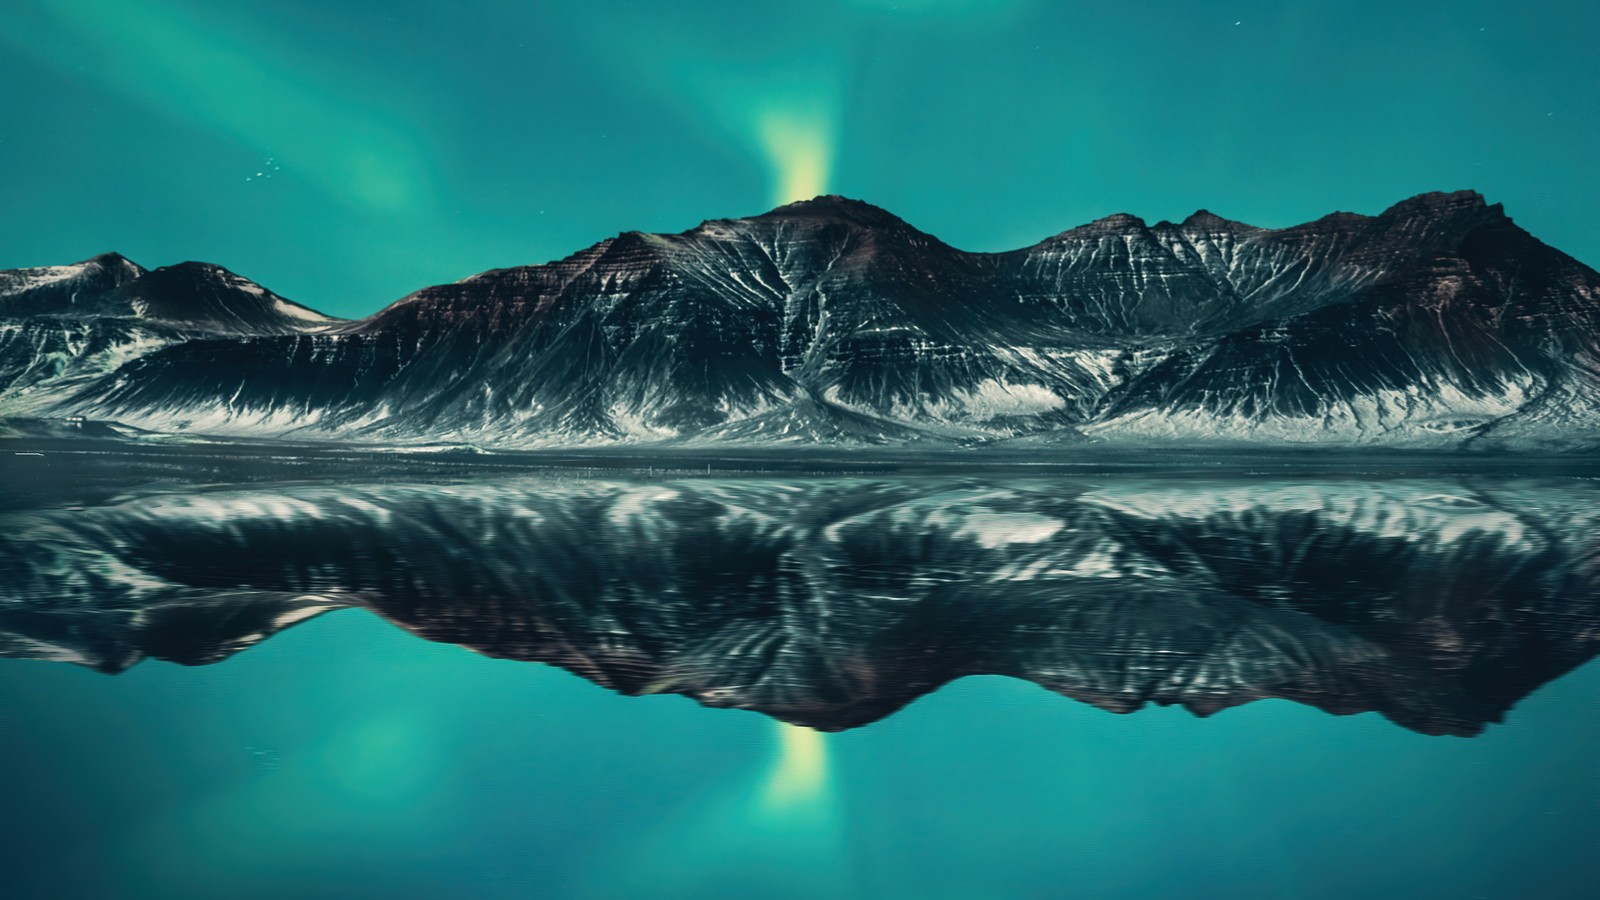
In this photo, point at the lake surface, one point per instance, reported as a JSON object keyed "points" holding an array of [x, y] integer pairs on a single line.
{"points": [[413, 683]]}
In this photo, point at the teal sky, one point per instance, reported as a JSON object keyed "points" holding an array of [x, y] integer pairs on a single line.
{"points": [[404, 144]]}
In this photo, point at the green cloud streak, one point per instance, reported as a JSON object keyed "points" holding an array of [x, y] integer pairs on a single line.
{"points": [[168, 58]]}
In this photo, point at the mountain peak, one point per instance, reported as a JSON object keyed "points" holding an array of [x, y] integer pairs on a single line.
{"points": [[208, 296], [837, 208], [1206, 220], [191, 272], [1435, 202], [1118, 222], [111, 260]]}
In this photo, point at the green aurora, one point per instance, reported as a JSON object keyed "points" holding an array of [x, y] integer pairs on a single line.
{"points": [[346, 153]]}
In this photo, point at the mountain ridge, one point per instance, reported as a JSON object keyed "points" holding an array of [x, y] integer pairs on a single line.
{"points": [[815, 314]]}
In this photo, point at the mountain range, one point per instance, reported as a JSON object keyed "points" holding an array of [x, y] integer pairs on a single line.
{"points": [[1437, 324]]}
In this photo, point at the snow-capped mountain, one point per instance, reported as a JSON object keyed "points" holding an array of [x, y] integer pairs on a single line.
{"points": [[1437, 324], [64, 328]]}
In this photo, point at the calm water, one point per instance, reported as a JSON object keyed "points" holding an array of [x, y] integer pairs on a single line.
{"points": [[311, 747]]}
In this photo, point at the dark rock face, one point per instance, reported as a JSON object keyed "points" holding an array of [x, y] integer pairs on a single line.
{"points": [[834, 602], [1437, 324]]}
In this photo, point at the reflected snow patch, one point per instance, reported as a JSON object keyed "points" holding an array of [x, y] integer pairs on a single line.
{"points": [[995, 529]]}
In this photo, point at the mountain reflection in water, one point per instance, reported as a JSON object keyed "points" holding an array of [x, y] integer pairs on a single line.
{"points": [[833, 602]]}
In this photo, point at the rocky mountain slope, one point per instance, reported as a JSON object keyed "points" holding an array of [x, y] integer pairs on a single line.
{"points": [[1436, 324]]}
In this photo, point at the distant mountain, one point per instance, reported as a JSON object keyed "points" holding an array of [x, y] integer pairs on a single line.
{"points": [[67, 329], [1438, 324], [193, 296]]}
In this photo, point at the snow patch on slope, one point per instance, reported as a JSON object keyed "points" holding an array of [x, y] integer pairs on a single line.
{"points": [[296, 311], [989, 399]]}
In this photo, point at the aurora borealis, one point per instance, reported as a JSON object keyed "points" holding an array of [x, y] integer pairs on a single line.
{"points": [[405, 144]]}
